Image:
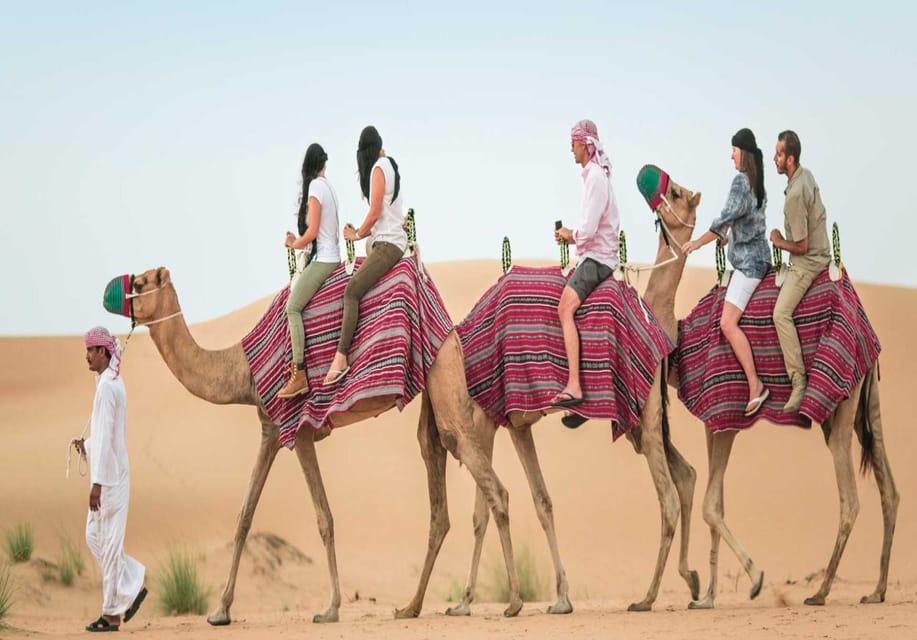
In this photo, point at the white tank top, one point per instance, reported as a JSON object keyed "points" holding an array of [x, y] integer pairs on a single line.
{"points": [[389, 227]]}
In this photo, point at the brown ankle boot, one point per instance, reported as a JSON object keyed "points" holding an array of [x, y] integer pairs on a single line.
{"points": [[297, 384], [799, 390]]}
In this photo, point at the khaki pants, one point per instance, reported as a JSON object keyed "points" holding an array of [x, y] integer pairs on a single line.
{"points": [[308, 284], [794, 288], [379, 261]]}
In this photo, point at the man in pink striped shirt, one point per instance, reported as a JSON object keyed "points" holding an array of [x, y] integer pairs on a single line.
{"points": [[596, 241]]}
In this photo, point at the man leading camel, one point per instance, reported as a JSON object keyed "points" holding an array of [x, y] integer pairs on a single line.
{"points": [[596, 241], [807, 243], [109, 475]]}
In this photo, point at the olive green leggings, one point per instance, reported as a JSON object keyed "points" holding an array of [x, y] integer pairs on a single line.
{"points": [[309, 282], [382, 258]]}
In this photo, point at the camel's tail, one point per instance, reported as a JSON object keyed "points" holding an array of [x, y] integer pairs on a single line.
{"points": [[867, 417]]}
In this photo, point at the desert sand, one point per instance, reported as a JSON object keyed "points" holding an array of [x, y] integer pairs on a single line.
{"points": [[190, 463]]}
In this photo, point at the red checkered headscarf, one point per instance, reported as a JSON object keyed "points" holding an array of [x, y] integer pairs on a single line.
{"points": [[587, 133], [100, 337]]}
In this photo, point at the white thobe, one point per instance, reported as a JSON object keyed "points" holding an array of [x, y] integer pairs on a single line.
{"points": [[122, 575]]}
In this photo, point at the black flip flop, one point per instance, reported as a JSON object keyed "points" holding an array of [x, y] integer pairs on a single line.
{"points": [[101, 625], [135, 605], [573, 421], [570, 400]]}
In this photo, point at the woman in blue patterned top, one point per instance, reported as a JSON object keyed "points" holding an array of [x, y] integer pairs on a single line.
{"points": [[743, 226]]}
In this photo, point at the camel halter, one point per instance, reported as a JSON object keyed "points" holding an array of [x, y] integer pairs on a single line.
{"points": [[134, 323], [667, 235]]}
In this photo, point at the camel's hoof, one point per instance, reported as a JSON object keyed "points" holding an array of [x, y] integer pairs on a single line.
{"points": [[641, 606], [513, 609], [328, 616], [706, 603], [407, 612], [694, 584], [815, 601], [461, 610], [219, 618], [561, 606], [874, 598], [756, 586]]}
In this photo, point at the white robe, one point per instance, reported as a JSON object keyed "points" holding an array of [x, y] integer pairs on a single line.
{"points": [[122, 575]]}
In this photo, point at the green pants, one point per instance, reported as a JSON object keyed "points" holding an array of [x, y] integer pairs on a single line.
{"points": [[792, 290], [309, 282], [381, 259]]}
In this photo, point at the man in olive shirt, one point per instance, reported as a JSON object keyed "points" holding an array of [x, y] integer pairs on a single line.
{"points": [[807, 243]]}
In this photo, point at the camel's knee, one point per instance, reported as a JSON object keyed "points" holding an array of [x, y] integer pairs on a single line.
{"points": [[544, 506], [480, 522], [501, 508]]}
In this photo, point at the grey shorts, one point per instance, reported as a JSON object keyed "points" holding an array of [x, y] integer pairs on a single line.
{"points": [[588, 275]]}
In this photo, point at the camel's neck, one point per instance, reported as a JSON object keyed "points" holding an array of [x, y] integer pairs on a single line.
{"points": [[663, 283], [221, 377]]}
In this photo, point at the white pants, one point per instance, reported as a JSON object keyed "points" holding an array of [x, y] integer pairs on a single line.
{"points": [[740, 289], [122, 576]]}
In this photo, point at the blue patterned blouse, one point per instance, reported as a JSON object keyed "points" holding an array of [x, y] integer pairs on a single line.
{"points": [[748, 249]]}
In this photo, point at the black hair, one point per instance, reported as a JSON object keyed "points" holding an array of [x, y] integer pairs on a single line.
{"points": [[791, 144], [367, 153], [313, 163]]}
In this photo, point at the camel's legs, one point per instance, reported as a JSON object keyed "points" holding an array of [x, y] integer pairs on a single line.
{"points": [[305, 451], [434, 457], [267, 452], [719, 446], [525, 448], [839, 443], [887, 490], [464, 437], [654, 450], [480, 520], [684, 476]]}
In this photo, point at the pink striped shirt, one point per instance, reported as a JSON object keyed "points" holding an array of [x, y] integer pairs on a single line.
{"points": [[596, 233]]}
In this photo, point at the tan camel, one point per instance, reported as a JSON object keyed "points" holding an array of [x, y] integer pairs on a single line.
{"points": [[673, 477], [858, 414], [223, 377]]}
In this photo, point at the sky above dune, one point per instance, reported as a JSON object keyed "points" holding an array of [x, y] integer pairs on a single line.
{"points": [[134, 135]]}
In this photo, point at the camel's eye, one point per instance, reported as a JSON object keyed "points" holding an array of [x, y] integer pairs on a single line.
{"points": [[675, 195]]}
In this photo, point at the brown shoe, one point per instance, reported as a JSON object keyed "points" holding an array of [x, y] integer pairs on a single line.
{"points": [[297, 385], [799, 390]]}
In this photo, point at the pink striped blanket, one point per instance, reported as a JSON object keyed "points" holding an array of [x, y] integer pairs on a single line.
{"points": [[403, 323], [838, 343], [514, 348]]}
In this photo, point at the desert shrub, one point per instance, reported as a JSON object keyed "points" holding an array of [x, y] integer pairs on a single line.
{"points": [[180, 589], [20, 542]]}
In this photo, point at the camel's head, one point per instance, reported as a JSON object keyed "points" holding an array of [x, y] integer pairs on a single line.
{"points": [[671, 203], [147, 302]]}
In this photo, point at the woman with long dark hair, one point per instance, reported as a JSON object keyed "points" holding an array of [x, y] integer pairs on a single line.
{"points": [[743, 219], [317, 224], [380, 183]]}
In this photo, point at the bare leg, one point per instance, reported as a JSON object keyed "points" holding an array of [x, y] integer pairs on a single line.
{"points": [[654, 450], [305, 451], [729, 325], [525, 448], [839, 443], [569, 303], [434, 457], [267, 452]]}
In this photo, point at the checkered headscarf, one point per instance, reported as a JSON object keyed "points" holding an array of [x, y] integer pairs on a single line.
{"points": [[100, 337], [587, 133]]}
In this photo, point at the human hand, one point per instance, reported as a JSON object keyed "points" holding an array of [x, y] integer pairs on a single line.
{"points": [[689, 247], [80, 446], [290, 239], [350, 234], [776, 236], [563, 236], [95, 497]]}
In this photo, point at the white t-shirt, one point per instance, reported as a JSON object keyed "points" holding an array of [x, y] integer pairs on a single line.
{"points": [[389, 227], [329, 247]]}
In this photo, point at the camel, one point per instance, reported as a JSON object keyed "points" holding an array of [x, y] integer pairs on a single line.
{"points": [[673, 476], [858, 414], [223, 377]]}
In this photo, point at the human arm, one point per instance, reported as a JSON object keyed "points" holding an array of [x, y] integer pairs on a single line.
{"points": [[103, 463], [596, 194], [795, 248], [799, 200], [693, 245], [376, 194], [313, 218]]}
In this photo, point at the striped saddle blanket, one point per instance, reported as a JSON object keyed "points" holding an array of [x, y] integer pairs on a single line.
{"points": [[514, 348], [839, 346], [402, 325]]}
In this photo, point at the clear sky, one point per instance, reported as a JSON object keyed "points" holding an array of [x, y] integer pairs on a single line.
{"points": [[134, 135]]}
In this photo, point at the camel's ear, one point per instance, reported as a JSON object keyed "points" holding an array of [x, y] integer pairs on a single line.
{"points": [[695, 200], [162, 276]]}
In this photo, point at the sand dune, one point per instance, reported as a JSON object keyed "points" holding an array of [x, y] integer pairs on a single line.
{"points": [[191, 461]]}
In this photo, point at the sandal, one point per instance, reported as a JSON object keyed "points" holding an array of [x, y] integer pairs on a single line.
{"points": [[101, 625]]}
